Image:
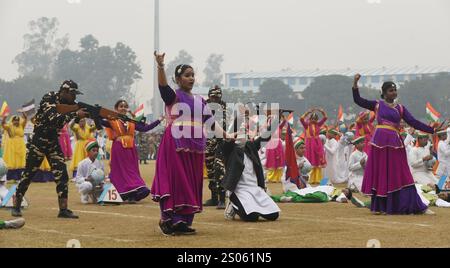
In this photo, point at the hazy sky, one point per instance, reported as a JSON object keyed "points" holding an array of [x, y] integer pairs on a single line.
{"points": [[258, 35]]}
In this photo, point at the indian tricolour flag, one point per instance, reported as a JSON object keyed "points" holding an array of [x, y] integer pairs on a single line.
{"points": [[290, 119], [5, 111], [432, 114], [139, 113], [340, 116]]}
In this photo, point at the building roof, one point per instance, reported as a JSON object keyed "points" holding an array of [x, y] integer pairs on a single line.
{"points": [[345, 72]]}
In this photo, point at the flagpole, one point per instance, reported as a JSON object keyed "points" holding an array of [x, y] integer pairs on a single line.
{"points": [[157, 109]]}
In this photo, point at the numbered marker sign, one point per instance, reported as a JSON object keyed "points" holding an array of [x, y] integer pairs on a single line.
{"points": [[8, 202], [110, 194]]}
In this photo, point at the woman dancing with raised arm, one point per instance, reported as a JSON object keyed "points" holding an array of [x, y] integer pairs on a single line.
{"points": [[387, 177]]}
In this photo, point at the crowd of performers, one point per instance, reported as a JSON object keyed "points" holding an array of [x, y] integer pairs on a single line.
{"points": [[385, 154]]}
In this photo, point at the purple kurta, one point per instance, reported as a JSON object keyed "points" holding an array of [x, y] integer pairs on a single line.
{"points": [[178, 182], [387, 177], [125, 174]]}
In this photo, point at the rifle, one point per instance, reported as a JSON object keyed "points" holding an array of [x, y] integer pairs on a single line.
{"points": [[96, 112]]}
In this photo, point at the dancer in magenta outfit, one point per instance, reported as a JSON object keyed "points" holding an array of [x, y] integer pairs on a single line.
{"points": [[64, 142], [178, 182], [124, 163], [315, 152], [387, 177]]}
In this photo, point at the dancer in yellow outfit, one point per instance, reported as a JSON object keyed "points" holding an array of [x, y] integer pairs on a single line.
{"points": [[15, 149], [82, 132]]}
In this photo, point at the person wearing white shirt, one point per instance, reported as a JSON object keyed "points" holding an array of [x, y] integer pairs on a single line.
{"points": [[421, 161], [443, 154], [345, 148], [409, 139], [304, 167], [84, 182], [3, 171], [357, 164], [331, 147]]}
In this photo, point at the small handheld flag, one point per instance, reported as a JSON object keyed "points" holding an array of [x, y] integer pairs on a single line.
{"points": [[432, 114], [340, 117], [5, 111], [139, 113]]}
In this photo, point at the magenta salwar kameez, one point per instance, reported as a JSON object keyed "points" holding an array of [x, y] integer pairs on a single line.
{"points": [[387, 177], [178, 182]]}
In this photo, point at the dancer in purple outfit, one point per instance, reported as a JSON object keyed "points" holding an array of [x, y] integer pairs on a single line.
{"points": [[178, 179], [387, 177]]}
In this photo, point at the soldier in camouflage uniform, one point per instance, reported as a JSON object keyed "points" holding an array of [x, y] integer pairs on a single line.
{"points": [[213, 156], [48, 122], [144, 147]]}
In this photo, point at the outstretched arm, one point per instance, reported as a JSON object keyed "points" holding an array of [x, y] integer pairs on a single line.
{"points": [[407, 116], [368, 104], [142, 127]]}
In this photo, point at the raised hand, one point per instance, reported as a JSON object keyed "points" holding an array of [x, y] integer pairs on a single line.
{"points": [[355, 80], [82, 113], [159, 58]]}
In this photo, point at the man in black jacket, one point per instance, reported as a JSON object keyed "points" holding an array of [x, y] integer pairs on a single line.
{"points": [[244, 178]]}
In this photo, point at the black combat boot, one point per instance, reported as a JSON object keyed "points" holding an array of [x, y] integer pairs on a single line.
{"points": [[15, 212], [213, 201], [64, 212], [221, 204]]}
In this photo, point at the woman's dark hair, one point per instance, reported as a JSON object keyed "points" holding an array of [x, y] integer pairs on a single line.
{"points": [[15, 118], [386, 86], [118, 103], [180, 69]]}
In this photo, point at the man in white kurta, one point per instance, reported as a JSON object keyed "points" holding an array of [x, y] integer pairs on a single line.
{"points": [[331, 147], [443, 154], [345, 148], [357, 164], [418, 158], [83, 181], [252, 197]]}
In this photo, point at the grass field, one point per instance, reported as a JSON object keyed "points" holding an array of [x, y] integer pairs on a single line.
{"points": [[300, 225]]}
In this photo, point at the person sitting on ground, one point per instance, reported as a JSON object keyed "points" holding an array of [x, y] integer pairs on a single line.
{"points": [[89, 174], [3, 172], [304, 167], [244, 180], [422, 161], [357, 164], [428, 194]]}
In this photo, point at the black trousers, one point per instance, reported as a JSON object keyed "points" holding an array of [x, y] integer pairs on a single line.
{"points": [[254, 216], [39, 147]]}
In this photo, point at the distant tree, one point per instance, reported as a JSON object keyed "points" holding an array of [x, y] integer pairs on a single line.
{"points": [[183, 57], [24, 89], [105, 74], [41, 48], [436, 90], [329, 92], [237, 96], [276, 91], [213, 75]]}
